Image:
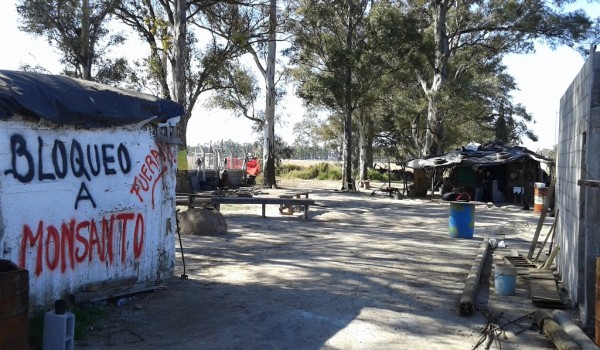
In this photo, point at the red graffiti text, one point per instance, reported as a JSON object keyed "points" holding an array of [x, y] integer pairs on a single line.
{"points": [[149, 175], [75, 243]]}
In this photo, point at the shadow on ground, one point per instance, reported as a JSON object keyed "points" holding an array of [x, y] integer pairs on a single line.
{"points": [[363, 272]]}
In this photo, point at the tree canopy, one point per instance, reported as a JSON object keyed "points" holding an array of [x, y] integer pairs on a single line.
{"points": [[414, 77], [79, 30]]}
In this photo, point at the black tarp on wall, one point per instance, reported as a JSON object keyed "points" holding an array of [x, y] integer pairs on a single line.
{"points": [[68, 101]]}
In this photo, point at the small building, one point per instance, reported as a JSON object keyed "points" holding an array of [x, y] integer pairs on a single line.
{"points": [[492, 172], [87, 183]]}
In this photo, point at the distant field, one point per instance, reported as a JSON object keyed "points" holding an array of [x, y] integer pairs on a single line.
{"points": [[307, 163]]}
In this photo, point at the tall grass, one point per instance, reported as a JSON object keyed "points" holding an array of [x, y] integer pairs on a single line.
{"points": [[320, 171]]}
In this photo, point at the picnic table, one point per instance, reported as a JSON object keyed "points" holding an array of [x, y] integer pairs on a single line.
{"points": [[289, 209], [298, 200], [304, 202]]}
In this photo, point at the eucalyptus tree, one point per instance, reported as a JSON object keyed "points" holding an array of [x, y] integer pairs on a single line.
{"points": [[182, 64], [493, 28], [79, 30], [476, 103], [313, 139], [256, 26], [342, 50], [475, 106]]}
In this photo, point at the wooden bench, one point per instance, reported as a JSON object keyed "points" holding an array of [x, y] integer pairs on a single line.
{"points": [[192, 200], [305, 202], [286, 209]]}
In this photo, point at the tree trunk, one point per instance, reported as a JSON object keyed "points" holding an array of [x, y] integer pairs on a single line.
{"points": [[178, 66], [86, 60], [434, 133], [363, 141], [347, 182], [435, 128], [178, 62], [179, 87], [269, 128]]}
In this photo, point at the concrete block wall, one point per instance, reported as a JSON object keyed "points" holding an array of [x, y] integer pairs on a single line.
{"points": [[578, 147], [80, 206]]}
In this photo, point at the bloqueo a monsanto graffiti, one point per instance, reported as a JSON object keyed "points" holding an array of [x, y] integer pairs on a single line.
{"points": [[78, 242], [104, 193], [56, 162]]}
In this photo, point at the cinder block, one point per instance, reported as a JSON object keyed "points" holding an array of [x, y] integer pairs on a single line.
{"points": [[59, 331]]}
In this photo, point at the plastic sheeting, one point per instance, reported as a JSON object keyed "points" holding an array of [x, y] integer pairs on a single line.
{"points": [[68, 101], [486, 155]]}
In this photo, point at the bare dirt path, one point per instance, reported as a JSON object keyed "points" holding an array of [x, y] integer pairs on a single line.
{"points": [[363, 272]]}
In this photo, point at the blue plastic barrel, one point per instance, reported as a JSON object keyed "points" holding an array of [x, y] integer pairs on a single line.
{"points": [[462, 220]]}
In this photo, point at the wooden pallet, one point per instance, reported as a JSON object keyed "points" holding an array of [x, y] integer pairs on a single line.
{"points": [[543, 288], [520, 261]]}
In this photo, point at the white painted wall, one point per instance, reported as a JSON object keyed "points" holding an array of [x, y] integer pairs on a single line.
{"points": [[55, 220]]}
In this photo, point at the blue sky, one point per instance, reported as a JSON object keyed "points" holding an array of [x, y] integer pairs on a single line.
{"points": [[542, 78]]}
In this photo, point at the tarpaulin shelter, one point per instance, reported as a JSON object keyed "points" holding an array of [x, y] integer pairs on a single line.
{"points": [[67, 101], [511, 170]]}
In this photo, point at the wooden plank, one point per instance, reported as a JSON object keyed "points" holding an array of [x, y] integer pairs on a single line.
{"points": [[262, 200], [519, 261], [283, 202], [541, 274], [544, 290], [191, 199], [124, 282], [547, 201], [551, 231], [113, 292], [588, 183], [296, 194]]}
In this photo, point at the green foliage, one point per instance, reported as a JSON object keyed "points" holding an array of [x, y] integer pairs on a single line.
{"points": [[81, 35], [320, 171], [465, 51], [284, 169], [282, 149], [36, 330], [85, 319], [546, 152], [375, 175], [242, 95]]}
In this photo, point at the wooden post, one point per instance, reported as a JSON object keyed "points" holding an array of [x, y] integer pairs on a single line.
{"points": [[554, 331], [467, 302], [552, 230], [553, 255], [547, 202], [597, 306]]}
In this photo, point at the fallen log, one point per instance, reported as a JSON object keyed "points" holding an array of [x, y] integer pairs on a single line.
{"points": [[469, 296], [553, 331], [565, 321]]}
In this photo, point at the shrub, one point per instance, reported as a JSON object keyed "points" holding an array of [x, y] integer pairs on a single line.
{"points": [[320, 171]]}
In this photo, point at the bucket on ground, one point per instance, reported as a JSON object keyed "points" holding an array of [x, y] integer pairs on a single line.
{"points": [[539, 196], [224, 178], [14, 306], [505, 279], [461, 223]]}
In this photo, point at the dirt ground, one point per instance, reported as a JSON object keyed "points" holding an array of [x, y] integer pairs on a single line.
{"points": [[363, 272]]}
